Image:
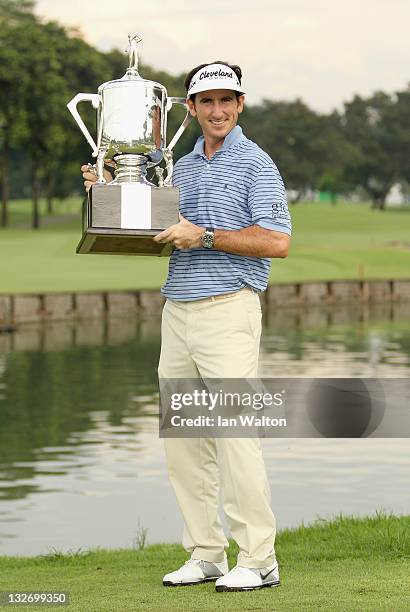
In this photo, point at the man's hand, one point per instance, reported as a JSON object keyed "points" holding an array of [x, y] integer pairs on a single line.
{"points": [[183, 235], [90, 176]]}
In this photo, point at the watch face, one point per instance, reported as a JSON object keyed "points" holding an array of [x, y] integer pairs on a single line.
{"points": [[208, 240]]}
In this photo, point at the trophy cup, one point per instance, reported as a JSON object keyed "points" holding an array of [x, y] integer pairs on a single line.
{"points": [[122, 216]]}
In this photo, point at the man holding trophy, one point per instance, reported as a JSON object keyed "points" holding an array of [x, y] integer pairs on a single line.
{"points": [[233, 220]]}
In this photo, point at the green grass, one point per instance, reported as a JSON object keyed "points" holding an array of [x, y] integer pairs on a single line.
{"points": [[346, 564], [20, 211], [44, 260], [346, 241]]}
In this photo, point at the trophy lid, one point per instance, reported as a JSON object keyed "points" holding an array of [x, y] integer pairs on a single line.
{"points": [[132, 76]]}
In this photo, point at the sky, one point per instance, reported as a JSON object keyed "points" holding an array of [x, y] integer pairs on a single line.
{"points": [[322, 51]]}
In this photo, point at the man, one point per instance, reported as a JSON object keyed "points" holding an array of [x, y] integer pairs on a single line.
{"points": [[233, 219]]}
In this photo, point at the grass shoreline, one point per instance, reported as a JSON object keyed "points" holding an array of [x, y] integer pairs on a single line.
{"points": [[342, 564]]}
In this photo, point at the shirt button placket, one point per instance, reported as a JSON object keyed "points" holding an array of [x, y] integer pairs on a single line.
{"points": [[204, 186]]}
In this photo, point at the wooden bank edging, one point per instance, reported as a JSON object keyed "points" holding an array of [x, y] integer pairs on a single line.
{"points": [[28, 308]]}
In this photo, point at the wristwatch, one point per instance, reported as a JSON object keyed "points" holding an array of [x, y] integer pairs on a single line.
{"points": [[208, 238]]}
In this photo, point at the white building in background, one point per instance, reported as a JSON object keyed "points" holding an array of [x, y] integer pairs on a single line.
{"points": [[309, 195], [397, 196]]}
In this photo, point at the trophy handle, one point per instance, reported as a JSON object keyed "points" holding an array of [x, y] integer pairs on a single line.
{"points": [[72, 107], [184, 124]]}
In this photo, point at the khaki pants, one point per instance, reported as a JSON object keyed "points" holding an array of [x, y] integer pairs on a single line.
{"points": [[218, 337]]}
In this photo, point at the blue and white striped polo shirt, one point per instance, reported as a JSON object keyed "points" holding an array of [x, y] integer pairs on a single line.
{"points": [[238, 187]]}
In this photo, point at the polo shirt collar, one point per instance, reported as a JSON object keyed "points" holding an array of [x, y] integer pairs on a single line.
{"points": [[234, 136]]}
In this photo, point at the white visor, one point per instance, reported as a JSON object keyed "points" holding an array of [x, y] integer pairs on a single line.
{"points": [[214, 76]]}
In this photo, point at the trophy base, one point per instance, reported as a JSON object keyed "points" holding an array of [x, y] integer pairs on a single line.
{"points": [[123, 218], [122, 242]]}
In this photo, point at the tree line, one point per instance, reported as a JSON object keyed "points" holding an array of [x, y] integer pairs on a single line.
{"points": [[43, 65]]}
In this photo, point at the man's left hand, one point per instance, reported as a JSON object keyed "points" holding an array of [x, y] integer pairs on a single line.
{"points": [[183, 235]]}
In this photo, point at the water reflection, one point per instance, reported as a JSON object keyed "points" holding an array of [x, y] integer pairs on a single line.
{"points": [[67, 386], [77, 422], [348, 342]]}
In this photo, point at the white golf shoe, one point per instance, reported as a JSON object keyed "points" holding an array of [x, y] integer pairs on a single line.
{"points": [[195, 571], [248, 579]]}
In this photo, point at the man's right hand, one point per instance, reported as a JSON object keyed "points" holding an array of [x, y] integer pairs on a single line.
{"points": [[90, 176]]}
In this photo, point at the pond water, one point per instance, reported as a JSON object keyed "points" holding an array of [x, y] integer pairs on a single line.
{"points": [[81, 463]]}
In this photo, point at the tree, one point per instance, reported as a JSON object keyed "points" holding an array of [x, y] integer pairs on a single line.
{"points": [[374, 127], [43, 99], [397, 121], [333, 153], [288, 131], [81, 69], [13, 120]]}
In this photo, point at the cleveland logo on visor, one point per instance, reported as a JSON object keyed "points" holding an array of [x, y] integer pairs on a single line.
{"points": [[214, 76]]}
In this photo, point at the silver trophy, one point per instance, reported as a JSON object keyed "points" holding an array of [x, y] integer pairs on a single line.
{"points": [[122, 216]]}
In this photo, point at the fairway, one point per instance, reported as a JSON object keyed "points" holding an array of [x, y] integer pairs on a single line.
{"points": [[330, 242]]}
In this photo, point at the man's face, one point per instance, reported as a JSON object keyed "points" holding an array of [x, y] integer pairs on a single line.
{"points": [[217, 111]]}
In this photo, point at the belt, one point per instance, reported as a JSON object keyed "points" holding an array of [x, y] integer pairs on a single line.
{"points": [[213, 298], [226, 295]]}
